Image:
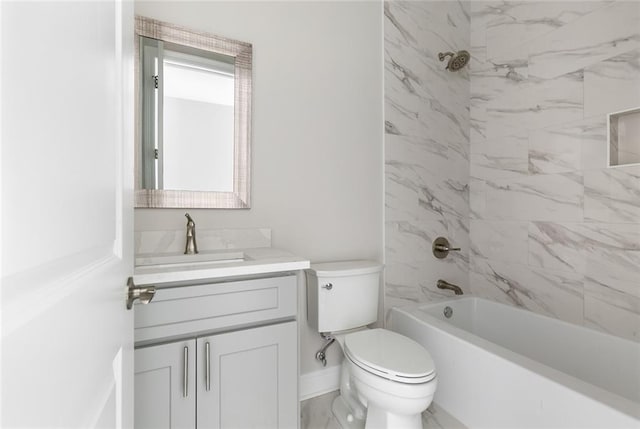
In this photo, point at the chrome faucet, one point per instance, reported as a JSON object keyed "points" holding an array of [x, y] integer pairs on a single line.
{"points": [[446, 285], [192, 246]]}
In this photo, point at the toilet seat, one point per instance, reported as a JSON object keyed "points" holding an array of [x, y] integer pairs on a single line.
{"points": [[389, 355]]}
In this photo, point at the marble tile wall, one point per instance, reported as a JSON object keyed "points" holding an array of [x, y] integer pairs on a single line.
{"points": [[552, 229], [426, 148]]}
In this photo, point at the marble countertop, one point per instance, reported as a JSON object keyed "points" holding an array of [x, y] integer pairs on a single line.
{"points": [[257, 261]]}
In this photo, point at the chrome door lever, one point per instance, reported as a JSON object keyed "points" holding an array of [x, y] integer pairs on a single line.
{"points": [[144, 294]]}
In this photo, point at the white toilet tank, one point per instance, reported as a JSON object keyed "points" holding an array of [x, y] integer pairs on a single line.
{"points": [[342, 295]]}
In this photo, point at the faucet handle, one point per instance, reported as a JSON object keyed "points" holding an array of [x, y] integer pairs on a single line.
{"points": [[441, 248], [191, 246]]}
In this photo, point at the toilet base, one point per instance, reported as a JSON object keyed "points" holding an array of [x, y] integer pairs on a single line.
{"points": [[343, 414], [378, 418]]}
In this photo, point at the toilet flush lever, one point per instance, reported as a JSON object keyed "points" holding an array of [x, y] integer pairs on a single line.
{"points": [[328, 286]]}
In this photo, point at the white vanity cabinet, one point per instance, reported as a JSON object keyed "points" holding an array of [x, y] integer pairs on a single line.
{"points": [[252, 379], [220, 355], [164, 384]]}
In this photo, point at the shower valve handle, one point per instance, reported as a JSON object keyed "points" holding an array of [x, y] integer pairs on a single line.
{"points": [[441, 248]]}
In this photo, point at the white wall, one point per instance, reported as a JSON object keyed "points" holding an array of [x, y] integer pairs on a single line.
{"points": [[317, 129]]}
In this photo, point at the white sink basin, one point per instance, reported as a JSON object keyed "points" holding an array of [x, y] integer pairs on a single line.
{"points": [[181, 260]]}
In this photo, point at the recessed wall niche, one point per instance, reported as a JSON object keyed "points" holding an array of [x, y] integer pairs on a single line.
{"points": [[624, 137]]}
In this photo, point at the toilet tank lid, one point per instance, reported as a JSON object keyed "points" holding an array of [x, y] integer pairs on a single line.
{"points": [[345, 268]]}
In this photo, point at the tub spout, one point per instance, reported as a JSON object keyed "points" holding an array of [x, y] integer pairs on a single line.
{"points": [[446, 285]]}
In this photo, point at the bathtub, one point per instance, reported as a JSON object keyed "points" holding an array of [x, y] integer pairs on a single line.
{"points": [[500, 366]]}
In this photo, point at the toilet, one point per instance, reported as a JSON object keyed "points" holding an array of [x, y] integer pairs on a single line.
{"points": [[387, 380]]}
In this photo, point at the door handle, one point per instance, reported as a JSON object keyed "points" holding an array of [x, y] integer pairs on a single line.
{"points": [[144, 294]]}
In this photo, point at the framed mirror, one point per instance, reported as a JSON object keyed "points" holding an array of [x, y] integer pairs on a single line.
{"points": [[193, 118]]}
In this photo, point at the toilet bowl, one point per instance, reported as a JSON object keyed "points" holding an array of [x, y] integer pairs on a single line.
{"points": [[387, 380], [392, 377]]}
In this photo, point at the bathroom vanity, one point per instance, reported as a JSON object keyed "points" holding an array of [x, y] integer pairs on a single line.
{"points": [[217, 347]]}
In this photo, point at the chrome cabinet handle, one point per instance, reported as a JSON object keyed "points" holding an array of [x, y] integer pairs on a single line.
{"points": [[144, 294], [185, 373], [207, 368]]}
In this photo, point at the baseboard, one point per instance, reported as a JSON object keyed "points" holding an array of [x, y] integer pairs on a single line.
{"points": [[319, 382]]}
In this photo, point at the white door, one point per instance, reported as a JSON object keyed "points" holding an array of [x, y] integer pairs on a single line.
{"points": [[66, 176]]}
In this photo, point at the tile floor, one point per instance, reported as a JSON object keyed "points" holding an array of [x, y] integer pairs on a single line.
{"points": [[315, 413]]}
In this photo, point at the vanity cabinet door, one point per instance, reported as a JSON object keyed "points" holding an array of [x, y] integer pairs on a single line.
{"points": [[165, 388], [249, 378]]}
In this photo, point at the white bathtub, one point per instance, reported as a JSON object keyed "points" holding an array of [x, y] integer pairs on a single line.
{"points": [[500, 366]]}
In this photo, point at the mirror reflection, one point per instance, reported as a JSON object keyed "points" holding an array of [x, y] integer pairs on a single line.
{"points": [[189, 106]]}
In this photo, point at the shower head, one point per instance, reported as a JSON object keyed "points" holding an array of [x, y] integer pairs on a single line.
{"points": [[457, 61]]}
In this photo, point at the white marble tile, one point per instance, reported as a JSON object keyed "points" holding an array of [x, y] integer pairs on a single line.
{"points": [[411, 270], [490, 81], [437, 197], [613, 85], [426, 147], [207, 239], [422, 117], [561, 292], [568, 147], [409, 244], [610, 252], [501, 241], [477, 198], [478, 31], [401, 198], [436, 417], [553, 197], [613, 253], [557, 294], [557, 246], [593, 135], [553, 78], [409, 264], [416, 153], [515, 22], [477, 120], [612, 195], [501, 157], [599, 35], [609, 317], [621, 294], [538, 103], [316, 413]]}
